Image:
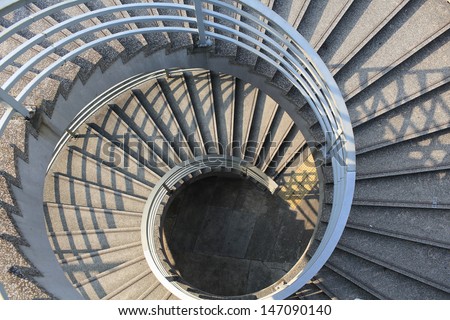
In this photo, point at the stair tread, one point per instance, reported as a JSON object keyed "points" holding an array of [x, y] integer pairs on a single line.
{"points": [[367, 18], [97, 146], [84, 268], [130, 290], [246, 95], [340, 287], [419, 117], [404, 223], [84, 168], [100, 285], [379, 281], [82, 243], [130, 137], [68, 190], [61, 217], [419, 261], [200, 91], [428, 188], [178, 98], [278, 131], [153, 100], [418, 155], [320, 19], [388, 48], [223, 96], [129, 108], [418, 75]]}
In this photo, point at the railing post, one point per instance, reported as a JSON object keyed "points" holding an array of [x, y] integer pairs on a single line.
{"points": [[11, 106], [204, 41]]}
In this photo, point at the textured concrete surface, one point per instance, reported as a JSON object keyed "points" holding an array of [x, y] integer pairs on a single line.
{"points": [[429, 152], [228, 237], [16, 272], [428, 18]]}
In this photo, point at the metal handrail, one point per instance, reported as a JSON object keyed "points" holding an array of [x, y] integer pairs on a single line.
{"points": [[267, 36]]}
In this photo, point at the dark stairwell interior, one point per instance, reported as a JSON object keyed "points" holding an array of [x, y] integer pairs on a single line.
{"points": [[227, 236]]}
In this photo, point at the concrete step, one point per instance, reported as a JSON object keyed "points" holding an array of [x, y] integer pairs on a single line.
{"points": [[223, 95], [413, 224], [88, 60], [413, 78], [109, 52], [132, 289], [290, 153], [281, 126], [154, 41], [98, 286], [117, 130], [110, 254], [84, 168], [68, 190], [148, 132], [67, 74], [245, 101], [339, 287], [153, 100], [177, 96], [291, 145], [178, 40], [425, 190], [132, 44], [426, 153], [394, 44], [63, 217], [419, 117], [84, 266], [87, 241], [243, 56], [366, 19], [320, 19], [265, 110], [96, 146], [291, 11], [224, 48], [156, 292], [421, 262], [379, 281], [198, 85]]}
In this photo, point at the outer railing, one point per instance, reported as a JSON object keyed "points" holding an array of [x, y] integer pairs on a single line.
{"points": [[245, 23]]}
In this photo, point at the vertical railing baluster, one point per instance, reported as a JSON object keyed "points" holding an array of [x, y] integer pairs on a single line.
{"points": [[204, 41], [11, 106]]}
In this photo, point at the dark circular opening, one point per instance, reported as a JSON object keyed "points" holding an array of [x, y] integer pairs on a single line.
{"points": [[227, 236]]}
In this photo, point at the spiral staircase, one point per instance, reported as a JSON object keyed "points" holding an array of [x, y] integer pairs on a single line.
{"points": [[188, 156]]}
